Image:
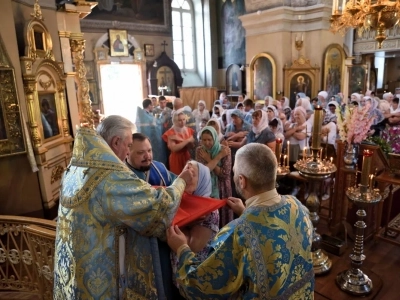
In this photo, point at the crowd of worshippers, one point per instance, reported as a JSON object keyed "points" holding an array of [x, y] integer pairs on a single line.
{"points": [[261, 122], [117, 203]]}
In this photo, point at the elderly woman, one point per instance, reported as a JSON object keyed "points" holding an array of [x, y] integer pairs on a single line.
{"points": [[296, 132], [200, 113], [199, 234], [217, 158], [179, 139]]}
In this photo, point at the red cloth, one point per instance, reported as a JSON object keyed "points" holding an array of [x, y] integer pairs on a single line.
{"points": [[193, 207]]}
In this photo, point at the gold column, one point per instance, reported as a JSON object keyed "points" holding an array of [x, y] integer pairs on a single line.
{"points": [[63, 105], [30, 89], [85, 110]]}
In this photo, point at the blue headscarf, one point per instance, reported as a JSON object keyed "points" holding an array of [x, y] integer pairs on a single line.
{"points": [[204, 183]]}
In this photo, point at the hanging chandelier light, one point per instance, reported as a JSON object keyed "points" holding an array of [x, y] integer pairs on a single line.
{"points": [[363, 15]]}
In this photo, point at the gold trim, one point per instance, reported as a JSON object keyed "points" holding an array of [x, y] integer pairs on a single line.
{"points": [[56, 173], [84, 105], [37, 12], [342, 53], [64, 34], [253, 60], [45, 85], [302, 65]]}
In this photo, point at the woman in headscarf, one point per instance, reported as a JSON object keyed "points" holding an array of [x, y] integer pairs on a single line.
{"points": [[272, 114], [260, 132], [217, 126], [217, 158], [200, 113], [374, 112], [179, 139], [296, 133], [200, 233], [237, 130]]}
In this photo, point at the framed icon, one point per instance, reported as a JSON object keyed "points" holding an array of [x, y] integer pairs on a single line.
{"points": [[149, 49], [118, 42]]}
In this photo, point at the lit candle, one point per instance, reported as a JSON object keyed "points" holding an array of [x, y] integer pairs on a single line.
{"points": [[305, 153], [288, 152], [320, 153], [316, 133], [278, 149], [331, 160], [343, 6], [284, 160], [366, 167], [370, 182]]}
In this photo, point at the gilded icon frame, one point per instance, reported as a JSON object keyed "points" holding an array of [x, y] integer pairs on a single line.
{"points": [[256, 77], [118, 42], [334, 66]]}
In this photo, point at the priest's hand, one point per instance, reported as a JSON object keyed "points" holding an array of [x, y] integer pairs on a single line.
{"points": [[175, 238], [187, 174], [236, 205]]}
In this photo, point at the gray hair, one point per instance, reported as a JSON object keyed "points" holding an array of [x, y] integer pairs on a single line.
{"points": [[177, 101], [258, 164], [115, 126]]}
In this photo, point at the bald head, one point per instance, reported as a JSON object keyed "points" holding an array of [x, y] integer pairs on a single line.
{"points": [[178, 103]]}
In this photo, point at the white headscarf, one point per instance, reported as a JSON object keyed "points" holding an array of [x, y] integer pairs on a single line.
{"points": [[221, 111], [262, 125], [175, 117]]}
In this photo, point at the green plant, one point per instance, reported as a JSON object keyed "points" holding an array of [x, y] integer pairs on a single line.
{"points": [[383, 144]]}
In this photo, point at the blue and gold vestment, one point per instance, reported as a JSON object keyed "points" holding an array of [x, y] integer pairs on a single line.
{"points": [[100, 200], [264, 254]]}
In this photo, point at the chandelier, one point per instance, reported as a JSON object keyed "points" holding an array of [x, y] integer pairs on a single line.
{"points": [[378, 15]]}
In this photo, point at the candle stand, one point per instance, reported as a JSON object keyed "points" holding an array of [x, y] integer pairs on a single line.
{"points": [[355, 281], [315, 169]]}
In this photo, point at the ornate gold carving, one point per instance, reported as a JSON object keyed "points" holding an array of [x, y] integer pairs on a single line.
{"points": [[85, 109], [37, 12], [63, 106], [45, 85], [28, 65], [13, 140], [56, 173]]}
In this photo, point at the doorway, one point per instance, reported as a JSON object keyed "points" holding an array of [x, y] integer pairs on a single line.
{"points": [[121, 87]]}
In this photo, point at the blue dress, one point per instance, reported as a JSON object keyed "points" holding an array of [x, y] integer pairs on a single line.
{"points": [[266, 136]]}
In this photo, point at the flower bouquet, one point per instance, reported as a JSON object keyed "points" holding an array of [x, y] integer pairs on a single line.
{"points": [[392, 136], [354, 123]]}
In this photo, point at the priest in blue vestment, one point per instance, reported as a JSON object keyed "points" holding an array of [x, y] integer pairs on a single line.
{"points": [[107, 217], [265, 253]]}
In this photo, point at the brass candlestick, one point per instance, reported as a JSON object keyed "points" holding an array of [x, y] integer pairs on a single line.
{"points": [[355, 281], [315, 169]]}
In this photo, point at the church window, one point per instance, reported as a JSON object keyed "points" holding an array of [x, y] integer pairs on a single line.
{"points": [[183, 33]]}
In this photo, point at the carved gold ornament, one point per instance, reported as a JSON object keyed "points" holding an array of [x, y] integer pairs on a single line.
{"points": [[56, 173]]}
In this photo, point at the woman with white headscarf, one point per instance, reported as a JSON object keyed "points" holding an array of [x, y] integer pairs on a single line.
{"points": [[272, 114], [200, 113], [179, 139]]}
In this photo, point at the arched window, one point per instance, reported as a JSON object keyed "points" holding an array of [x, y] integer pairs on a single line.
{"points": [[183, 34]]}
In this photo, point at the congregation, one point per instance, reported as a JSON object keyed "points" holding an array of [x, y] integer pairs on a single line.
{"points": [[226, 153]]}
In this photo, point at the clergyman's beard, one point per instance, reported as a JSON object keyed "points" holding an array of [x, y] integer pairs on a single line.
{"points": [[144, 168]]}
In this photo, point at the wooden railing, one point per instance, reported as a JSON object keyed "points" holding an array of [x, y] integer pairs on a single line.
{"points": [[27, 255]]}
